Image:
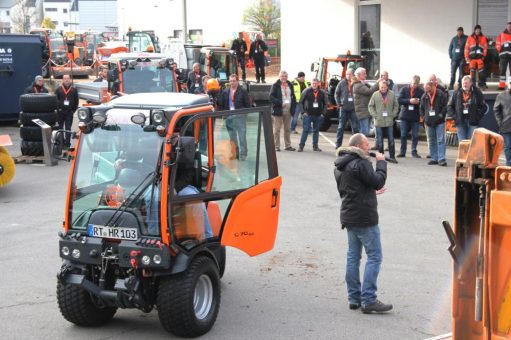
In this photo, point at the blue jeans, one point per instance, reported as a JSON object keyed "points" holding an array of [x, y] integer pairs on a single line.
{"points": [[457, 65], [436, 142], [364, 125], [344, 115], [369, 238], [465, 130], [405, 128], [237, 127], [390, 138], [316, 123], [507, 147]]}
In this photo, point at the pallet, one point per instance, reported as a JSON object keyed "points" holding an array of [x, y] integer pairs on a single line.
{"points": [[29, 159]]}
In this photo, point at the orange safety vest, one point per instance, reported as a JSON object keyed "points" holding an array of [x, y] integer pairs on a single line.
{"points": [[504, 43], [476, 47]]}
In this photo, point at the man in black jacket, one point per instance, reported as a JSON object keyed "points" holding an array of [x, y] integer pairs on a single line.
{"points": [[456, 53], [236, 97], [409, 99], [67, 103], [358, 184], [257, 49], [239, 46], [37, 86], [502, 110], [315, 104], [194, 80], [466, 107], [433, 108], [283, 102]]}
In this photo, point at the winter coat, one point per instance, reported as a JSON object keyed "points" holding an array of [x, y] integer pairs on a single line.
{"points": [[276, 98], [362, 93], [71, 99], [343, 94], [357, 183], [257, 49], [383, 114], [439, 107], [476, 107], [194, 79], [404, 100], [476, 47], [502, 111], [241, 99], [33, 88], [307, 101], [457, 44]]}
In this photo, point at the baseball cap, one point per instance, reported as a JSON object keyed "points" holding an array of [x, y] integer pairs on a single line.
{"points": [[300, 74]]}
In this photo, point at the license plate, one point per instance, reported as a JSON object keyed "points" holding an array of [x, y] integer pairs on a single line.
{"points": [[112, 232]]}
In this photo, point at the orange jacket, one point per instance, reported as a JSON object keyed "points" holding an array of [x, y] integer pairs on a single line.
{"points": [[504, 43], [476, 47]]}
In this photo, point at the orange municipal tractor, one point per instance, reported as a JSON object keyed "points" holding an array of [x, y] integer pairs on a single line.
{"points": [[481, 241], [155, 194]]}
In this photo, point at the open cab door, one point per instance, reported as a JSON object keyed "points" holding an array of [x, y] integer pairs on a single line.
{"points": [[236, 178]]}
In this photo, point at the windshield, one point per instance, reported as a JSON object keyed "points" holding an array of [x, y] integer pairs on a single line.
{"points": [[111, 162], [221, 66], [57, 44], [147, 77]]}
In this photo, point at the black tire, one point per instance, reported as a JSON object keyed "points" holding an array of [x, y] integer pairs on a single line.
{"points": [[222, 261], [76, 306], [49, 118], [38, 102], [175, 300], [325, 125], [31, 133], [29, 148]]}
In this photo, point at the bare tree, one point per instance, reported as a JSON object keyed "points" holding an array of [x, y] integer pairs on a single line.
{"points": [[264, 17], [24, 15]]}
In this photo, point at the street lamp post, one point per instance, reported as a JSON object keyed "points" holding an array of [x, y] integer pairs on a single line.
{"points": [[185, 28]]}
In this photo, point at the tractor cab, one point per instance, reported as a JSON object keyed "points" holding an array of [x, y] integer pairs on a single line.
{"points": [[218, 62], [330, 71], [157, 190], [54, 50], [140, 72], [143, 41]]}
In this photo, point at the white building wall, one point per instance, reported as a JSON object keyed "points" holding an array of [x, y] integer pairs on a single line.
{"points": [[59, 16], [218, 19], [97, 15], [415, 35]]}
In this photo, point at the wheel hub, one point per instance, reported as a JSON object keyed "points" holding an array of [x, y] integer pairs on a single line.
{"points": [[203, 297]]}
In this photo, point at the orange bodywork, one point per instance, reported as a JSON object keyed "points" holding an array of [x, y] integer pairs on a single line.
{"points": [[481, 292]]}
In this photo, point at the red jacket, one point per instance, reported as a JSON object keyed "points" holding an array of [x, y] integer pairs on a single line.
{"points": [[476, 47], [504, 43]]}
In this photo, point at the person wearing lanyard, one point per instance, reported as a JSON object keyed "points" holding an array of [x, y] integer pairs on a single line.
{"points": [[344, 99], [67, 103], [37, 86], [315, 103], [503, 46], [283, 102], [383, 107], [193, 82], [232, 98], [433, 108], [257, 49], [466, 107], [409, 99], [476, 49], [456, 50]]}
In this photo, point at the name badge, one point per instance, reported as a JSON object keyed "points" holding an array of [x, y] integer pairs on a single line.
{"points": [[432, 113], [256, 51], [506, 44], [315, 104], [196, 85], [287, 101], [385, 114], [457, 50], [465, 111], [350, 99], [411, 107], [479, 52], [66, 102], [232, 107]]}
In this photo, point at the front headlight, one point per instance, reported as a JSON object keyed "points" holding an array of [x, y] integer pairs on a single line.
{"points": [[83, 114], [146, 260], [157, 259], [65, 251], [76, 253]]}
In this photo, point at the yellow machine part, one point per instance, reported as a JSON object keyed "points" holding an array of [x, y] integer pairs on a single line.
{"points": [[8, 166]]}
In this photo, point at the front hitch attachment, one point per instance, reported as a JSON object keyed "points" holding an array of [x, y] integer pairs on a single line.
{"points": [[453, 249]]}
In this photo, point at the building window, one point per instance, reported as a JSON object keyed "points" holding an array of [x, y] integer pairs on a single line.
{"points": [[195, 36], [369, 33], [65, 24], [64, 10], [50, 9], [55, 23], [178, 34]]}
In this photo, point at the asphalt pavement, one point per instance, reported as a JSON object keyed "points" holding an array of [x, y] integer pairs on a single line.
{"points": [[297, 290]]}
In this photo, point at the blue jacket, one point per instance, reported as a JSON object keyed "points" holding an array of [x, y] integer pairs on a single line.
{"points": [[454, 45], [404, 101], [342, 96]]}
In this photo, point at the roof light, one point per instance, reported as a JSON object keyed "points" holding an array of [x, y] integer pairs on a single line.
{"points": [[157, 117], [83, 114], [138, 118], [99, 117]]}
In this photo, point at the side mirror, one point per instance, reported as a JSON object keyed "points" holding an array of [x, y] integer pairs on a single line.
{"points": [[186, 150], [314, 67], [57, 142]]}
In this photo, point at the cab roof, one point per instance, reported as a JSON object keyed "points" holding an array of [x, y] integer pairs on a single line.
{"points": [[136, 55], [158, 100]]}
